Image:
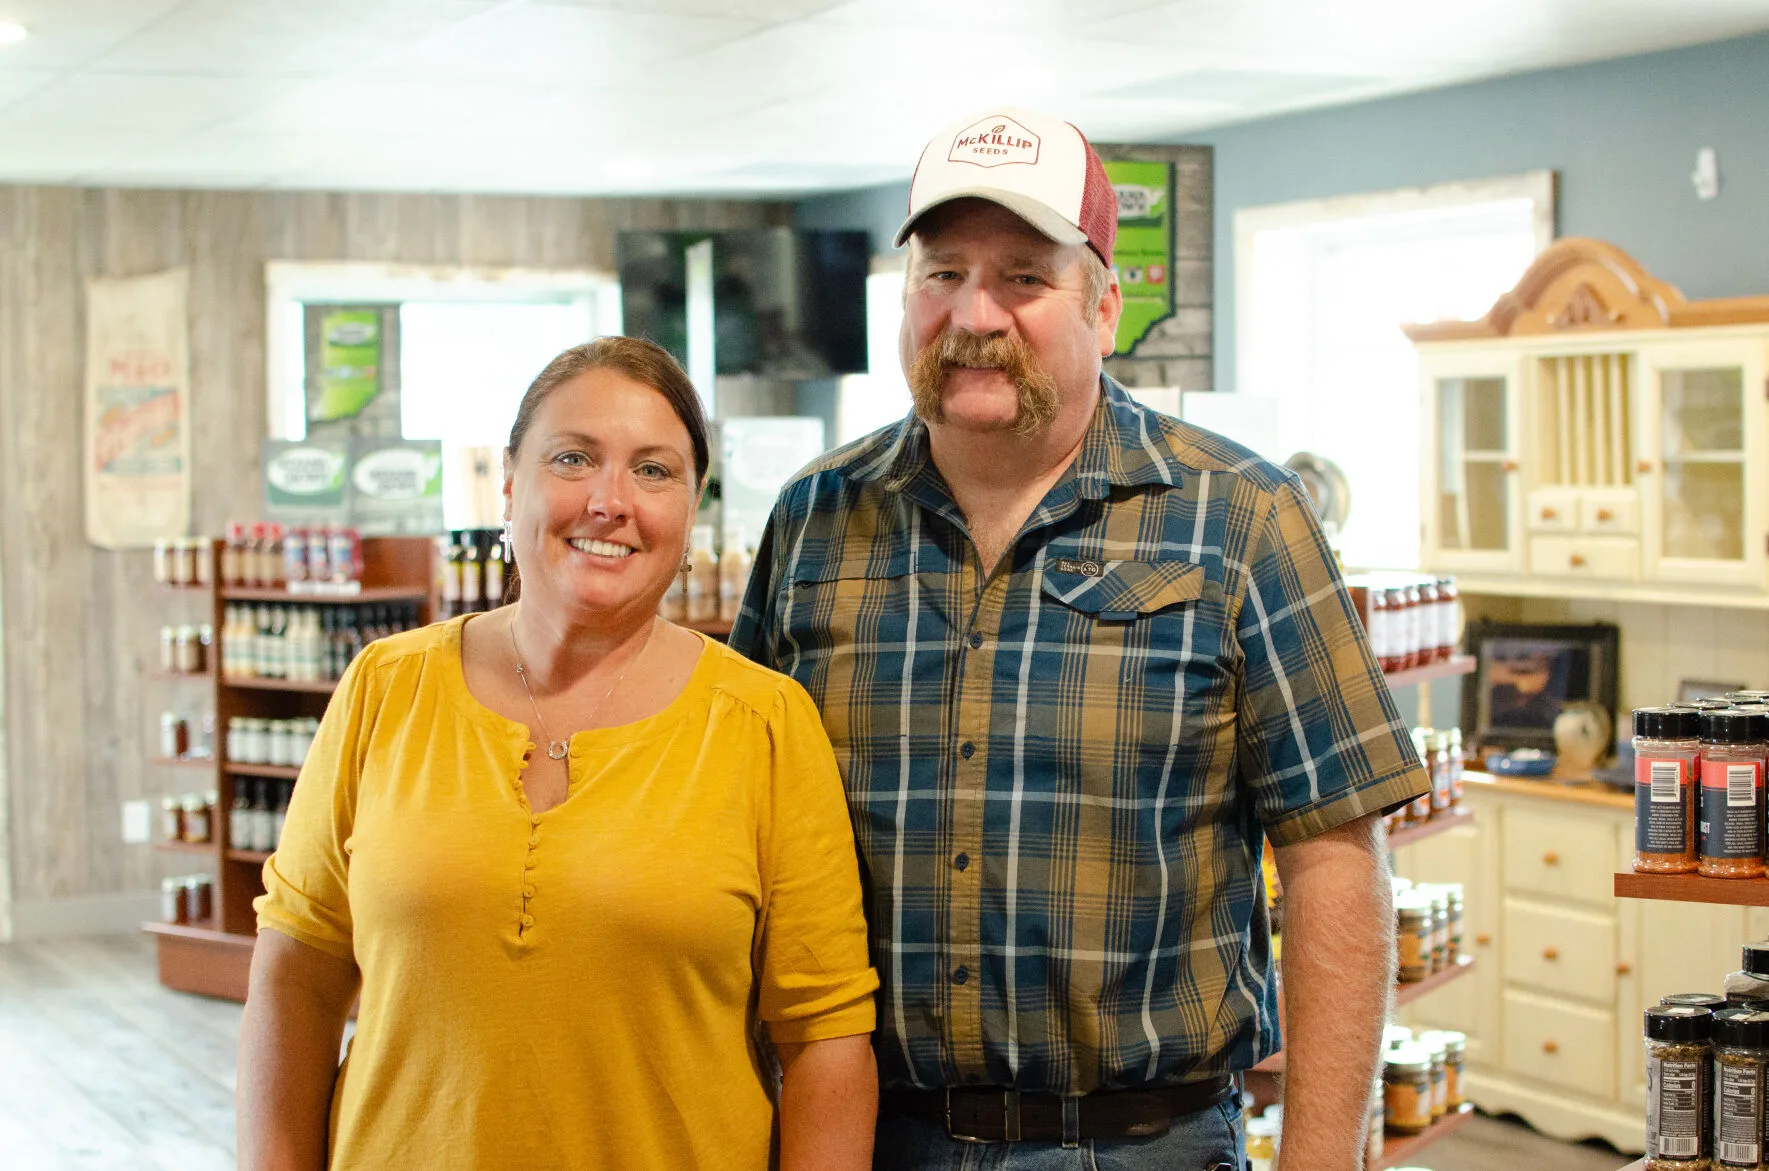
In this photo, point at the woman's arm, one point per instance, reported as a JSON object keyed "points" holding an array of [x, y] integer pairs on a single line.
{"points": [[828, 1104], [298, 999]]}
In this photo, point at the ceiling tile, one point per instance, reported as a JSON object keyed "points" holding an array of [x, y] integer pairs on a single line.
{"points": [[760, 11], [68, 33], [308, 38], [1065, 18], [66, 156], [16, 83], [165, 105], [380, 106]]}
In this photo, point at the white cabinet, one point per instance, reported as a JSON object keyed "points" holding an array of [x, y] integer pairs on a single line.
{"points": [[1597, 435]]}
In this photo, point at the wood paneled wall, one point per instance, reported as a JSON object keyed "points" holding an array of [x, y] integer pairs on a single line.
{"points": [[80, 624]]}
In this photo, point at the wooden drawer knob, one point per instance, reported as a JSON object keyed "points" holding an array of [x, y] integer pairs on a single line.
{"points": [[1550, 859], [1605, 514], [1623, 969], [1550, 1046], [1578, 560], [1644, 467], [1484, 938], [1509, 465], [1550, 514], [1550, 954]]}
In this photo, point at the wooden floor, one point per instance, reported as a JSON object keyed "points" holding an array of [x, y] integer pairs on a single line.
{"points": [[101, 1069]]}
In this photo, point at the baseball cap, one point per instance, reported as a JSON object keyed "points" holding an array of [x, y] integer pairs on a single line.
{"points": [[1041, 169]]}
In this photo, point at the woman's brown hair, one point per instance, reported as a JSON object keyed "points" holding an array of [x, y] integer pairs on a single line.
{"points": [[644, 362]]}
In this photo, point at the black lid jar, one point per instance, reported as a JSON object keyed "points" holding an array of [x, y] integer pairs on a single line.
{"points": [[1682, 1023], [1741, 1028], [1712, 1001], [1731, 726], [1667, 723]]}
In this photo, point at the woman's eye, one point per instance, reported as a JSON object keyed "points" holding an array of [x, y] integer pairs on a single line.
{"points": [[572, 459], [653, 472]]}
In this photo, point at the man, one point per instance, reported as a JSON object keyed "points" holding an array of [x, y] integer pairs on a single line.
{"points": [[1077, 658]]}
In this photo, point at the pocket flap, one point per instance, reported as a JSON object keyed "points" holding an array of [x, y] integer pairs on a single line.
{"points": [[1122, 588]]}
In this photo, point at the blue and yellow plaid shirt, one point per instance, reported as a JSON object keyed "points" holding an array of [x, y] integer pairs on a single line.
{"points": [[1060, 772]]}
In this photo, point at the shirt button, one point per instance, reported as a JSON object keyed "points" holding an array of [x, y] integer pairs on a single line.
{"points": [[976, 640], [962, 861], [529, 862], [534, 839], [960, 975], [528, 920], [967, 750], [528, 892]]}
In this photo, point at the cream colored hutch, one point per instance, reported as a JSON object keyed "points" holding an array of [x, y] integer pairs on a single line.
{"points": [[1596, 435]]}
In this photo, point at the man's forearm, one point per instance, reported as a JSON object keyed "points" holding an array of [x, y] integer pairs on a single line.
{"points": [[1338, 972]]}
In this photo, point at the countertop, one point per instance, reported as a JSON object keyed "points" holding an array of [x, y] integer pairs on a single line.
{"points": [[1582, 792]]}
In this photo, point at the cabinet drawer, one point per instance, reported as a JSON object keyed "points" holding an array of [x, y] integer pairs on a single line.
{"points": [[1554, 510], [1563, 1044], [1560, 856], [1615, 513], [1570, 953], [1605, 558]]}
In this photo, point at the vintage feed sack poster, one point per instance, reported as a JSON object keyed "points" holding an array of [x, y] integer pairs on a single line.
{"points": [[137, 458], [1143, 255]]}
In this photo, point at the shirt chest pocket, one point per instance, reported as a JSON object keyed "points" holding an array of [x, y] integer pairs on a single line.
{"points": [[1124, 591]]}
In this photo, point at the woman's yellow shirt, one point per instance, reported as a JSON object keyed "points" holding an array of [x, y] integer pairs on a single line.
{"points": [[578, 988]]}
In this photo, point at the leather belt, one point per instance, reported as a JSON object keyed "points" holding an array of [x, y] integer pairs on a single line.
{"points": [[982, 1115]]}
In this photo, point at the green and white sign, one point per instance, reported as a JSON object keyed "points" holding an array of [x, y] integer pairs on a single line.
{"points": [[1143, 255], [304, 481], [395, 486], [350, 364]]}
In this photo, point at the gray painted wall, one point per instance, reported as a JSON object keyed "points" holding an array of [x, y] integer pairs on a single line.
{"points": [[1621, 135]]}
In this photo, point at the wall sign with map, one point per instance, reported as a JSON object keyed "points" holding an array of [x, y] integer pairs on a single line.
{"points": [[1143, 256]]}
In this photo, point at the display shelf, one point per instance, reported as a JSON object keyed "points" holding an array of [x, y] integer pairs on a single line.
{"points": [[1406, 835], [1403, 994], [160, 676], [253, 683], [205, 848], [1693, 888], [255, 857], [1448, 669], [281, 772], [203, 762], [367, 594], [1399, 1150]]}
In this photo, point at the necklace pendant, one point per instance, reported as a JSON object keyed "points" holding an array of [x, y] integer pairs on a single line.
{"points": [[556, 749]]}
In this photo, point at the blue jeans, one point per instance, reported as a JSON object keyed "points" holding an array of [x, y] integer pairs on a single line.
{"points": [[1197, 1142]]}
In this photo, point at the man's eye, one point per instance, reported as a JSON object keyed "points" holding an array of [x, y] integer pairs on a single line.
{"points": [[1027, 278]]}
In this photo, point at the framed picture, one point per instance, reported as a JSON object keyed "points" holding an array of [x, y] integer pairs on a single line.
{"points": [[1692, 689], [1525, 673]]}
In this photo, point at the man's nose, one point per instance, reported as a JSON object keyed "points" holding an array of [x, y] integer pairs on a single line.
{"points": [[978, 310]]}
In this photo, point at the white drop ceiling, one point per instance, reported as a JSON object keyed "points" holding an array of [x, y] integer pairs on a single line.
{"points": [[715, 96]]}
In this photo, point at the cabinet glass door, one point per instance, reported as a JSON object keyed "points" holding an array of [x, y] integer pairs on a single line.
{"points": [[1701, 479], [1473, 519]]}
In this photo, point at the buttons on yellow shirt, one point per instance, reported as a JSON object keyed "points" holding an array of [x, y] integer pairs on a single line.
{"points": [[528, 892], [528, 920]]}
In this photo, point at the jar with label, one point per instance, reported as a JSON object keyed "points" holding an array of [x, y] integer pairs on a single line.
{"points": [[1729, 837], [263, 817], [1373, 1145], [1751, 981], [1741, 1061], [168, 648], [1419, 809], [174, 736], [1385, 619], [1438, 1052], [236, 739], [186, 656], [1677, 1086], [276, 742], [1438, 746], [196, 818], [183, 568], [199, 899], [1262, 1144], [1414, 915], [1439, 895], [172, 900], [1406, 1089], [205, 561], [1667, 754], [171, 819], [1458, 766], [1712, 1001], [1455, 1055]]}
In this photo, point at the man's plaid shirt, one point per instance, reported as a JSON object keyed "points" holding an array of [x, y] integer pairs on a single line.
{"points": [[1060, 772]]}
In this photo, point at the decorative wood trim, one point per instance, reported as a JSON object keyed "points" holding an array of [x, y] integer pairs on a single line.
{"points": [[1581, 284]]}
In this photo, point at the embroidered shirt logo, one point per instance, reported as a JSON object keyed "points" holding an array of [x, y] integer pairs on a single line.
{"points": [[1084, 568], [994, 142]]}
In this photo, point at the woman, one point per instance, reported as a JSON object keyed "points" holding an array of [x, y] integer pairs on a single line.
{"points": [[570, 854]]}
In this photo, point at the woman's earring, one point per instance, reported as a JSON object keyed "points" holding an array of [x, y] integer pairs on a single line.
{"points": [[509, 553], [687, 564]]}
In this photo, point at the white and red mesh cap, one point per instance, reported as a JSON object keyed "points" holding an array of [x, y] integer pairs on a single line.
{"points": [[1041, 169]]}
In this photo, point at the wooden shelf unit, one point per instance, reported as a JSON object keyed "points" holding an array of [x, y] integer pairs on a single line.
{"points": [[1693, 888], [213, 959], [1403, 994], [1448, 669], [1399, 1150], [1449, 819]]}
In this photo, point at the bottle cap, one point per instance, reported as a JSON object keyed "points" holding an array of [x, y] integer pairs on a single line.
{"points": [[1678, 1022], [1741, 1028], [1728, 726], [1756, 958], [1708, 1000], [1667, 723]]}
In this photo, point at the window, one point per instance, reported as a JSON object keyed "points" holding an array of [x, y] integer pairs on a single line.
{"points": [[1322, 289], [880, 396]]}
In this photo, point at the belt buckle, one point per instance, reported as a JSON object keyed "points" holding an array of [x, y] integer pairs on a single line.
{"points": [[1010, 1120]]}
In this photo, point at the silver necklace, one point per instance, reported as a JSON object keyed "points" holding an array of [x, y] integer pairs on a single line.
{"points": [[556, 749]]}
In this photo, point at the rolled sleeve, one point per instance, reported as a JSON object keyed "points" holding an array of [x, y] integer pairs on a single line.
{"points": [[1320, 739], [816, 979]]}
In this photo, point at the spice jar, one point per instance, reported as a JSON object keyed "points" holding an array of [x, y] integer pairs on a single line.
{"points": [[199, 898], [1406, 1089], [1419, 809], [172, 900], [171, 820], [174, 736], [1751, 981], [277, 742], [186, 656], [1262, 1144], [1414, 915], [168, 648], [1711, 1001], [1455, 1054], [1741, 1061], [1441, 796], [196, 818], [1677, 1086], [1457, 766], [1437, 1051], [1386, 618], [1667, 753], [1373, 1144], [1730, 833]]}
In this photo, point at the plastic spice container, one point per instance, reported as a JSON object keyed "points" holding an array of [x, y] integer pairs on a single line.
{"points": [[1413, 927], [1455, 1055], [171, 820], [196, 818], [1406, 1089], [1667, 754], [199, 898], [1677, 1086], [1751, 981], [1434, 1046], [1712, 1001], [1729, 841], [1741, 1063]]}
